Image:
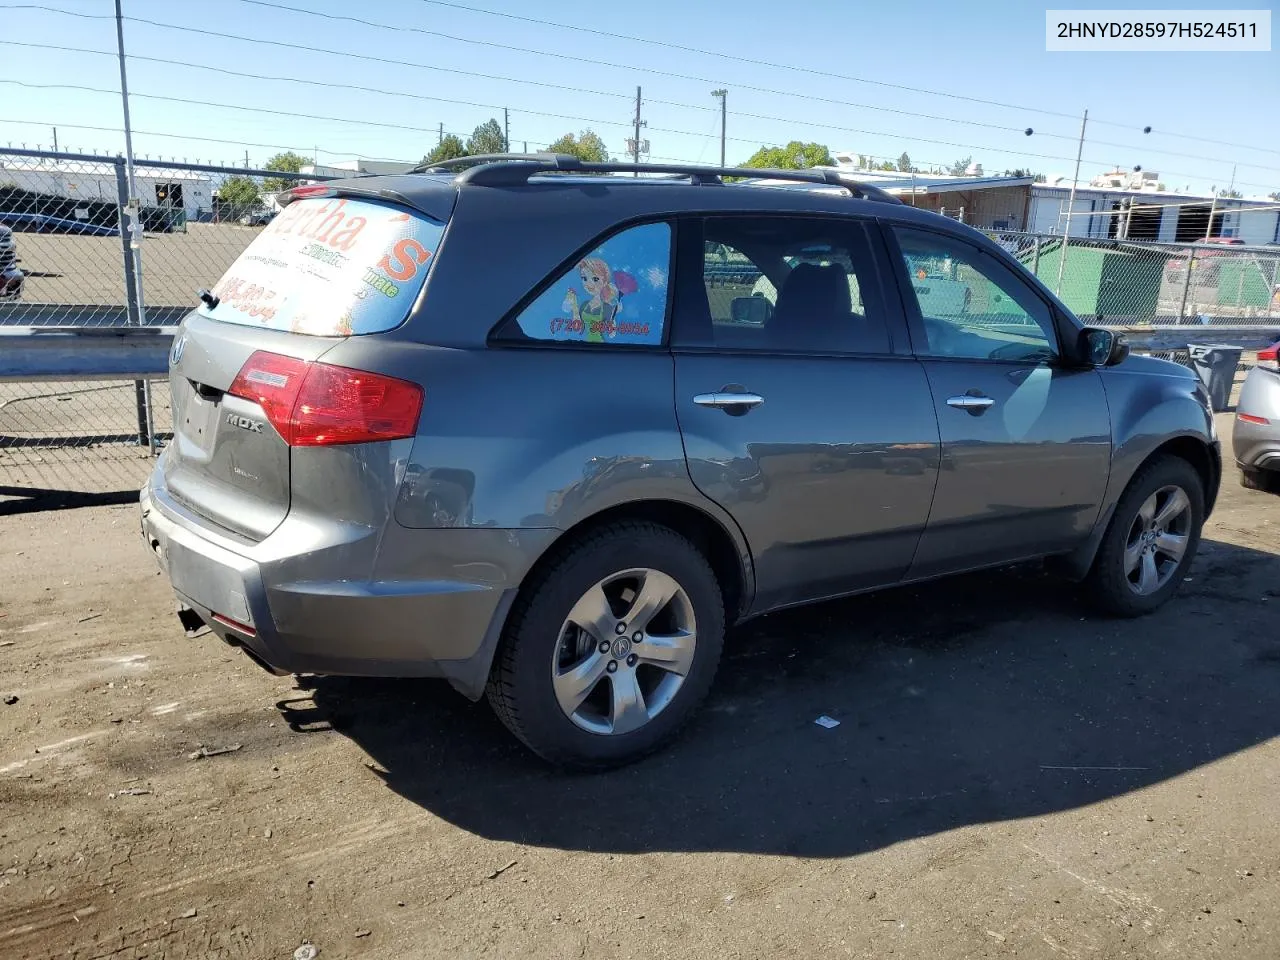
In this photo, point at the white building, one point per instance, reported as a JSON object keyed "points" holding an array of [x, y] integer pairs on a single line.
{"points": [[75, 180], [1102, 209]]}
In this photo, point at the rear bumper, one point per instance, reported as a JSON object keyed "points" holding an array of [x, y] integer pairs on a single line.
{"points": [[440, 615], [1256, 446]]}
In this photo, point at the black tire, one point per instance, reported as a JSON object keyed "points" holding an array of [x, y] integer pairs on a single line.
{"points": [[1107, 585], [520, 687], [1265, 480]]}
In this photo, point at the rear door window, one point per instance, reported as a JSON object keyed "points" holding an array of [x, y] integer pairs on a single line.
{"points": [[330, 267], [616, 294]]}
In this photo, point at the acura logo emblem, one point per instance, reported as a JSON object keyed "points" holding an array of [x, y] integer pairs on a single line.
{"points": [[176, 353]]}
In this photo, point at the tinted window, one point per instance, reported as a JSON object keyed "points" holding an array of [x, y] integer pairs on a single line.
{"points": [[330, 267], [790, 284], [616, 294], [971, 306]]}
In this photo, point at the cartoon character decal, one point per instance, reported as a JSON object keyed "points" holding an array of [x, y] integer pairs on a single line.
{"points": [[616, 294]]}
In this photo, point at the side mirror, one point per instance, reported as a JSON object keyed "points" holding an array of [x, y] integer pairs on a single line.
{"points": [[1104, 348]]}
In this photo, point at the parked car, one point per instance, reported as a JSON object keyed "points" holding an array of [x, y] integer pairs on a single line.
{"points": [[1255, 436], [529, 454], [43, 223], [11, 278], [257, 218], [1204, 263]]}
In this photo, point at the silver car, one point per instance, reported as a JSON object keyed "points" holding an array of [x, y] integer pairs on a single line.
{"points": [[516, 427], [1255, 436]]}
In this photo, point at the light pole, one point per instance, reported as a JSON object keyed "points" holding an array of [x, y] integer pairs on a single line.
{"points": [[723, 95]]}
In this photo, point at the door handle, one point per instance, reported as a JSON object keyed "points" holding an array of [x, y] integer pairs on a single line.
{"points": [[970, 403], [731, 402]]}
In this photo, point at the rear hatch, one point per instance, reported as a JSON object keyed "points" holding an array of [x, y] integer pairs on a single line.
{"points": [[245, 373]]}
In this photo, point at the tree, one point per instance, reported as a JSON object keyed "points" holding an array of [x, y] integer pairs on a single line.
{"points": [[287, 162], [886, 165], [487, 138], [794, 156], [449, 148], [240, 192], [586, 146], [958, 168], [1274, 196], [1230, 194], [904, 163]]}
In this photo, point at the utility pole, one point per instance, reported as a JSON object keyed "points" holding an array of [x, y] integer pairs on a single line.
{"points": [[635, 146], [133, 218], [723, 95], [1071, 202], [506, 131], [246, 159], [440, 139], [55, 140]]}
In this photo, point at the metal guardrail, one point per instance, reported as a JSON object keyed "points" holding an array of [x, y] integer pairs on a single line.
{"points": [[34, 353], [31, 354]]}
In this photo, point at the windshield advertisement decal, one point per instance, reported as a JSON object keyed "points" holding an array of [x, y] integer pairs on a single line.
{"points": [[332, 267]]}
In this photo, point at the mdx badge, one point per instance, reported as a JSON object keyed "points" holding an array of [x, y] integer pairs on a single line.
{"points": [[244, 423]]}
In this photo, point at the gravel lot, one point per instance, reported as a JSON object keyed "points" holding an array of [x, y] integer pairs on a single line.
{"points": [[1010, 777], [63, 268]]}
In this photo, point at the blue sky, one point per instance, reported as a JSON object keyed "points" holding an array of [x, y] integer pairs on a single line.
{"points": [[991, 50]]}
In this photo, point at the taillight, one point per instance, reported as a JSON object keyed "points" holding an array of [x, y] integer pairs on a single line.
{"points": [[1267, 357], [1250, 418], [310, 190], [319, 404]]}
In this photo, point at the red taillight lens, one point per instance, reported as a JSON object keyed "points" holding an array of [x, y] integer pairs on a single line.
{"points": [[272, 382], [1250, 418], [318, 404], [310, 190], [340, 405], [1267, 357]]}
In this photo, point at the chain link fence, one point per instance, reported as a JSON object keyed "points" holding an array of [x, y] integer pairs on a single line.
{"points": [[67, 260], [1134, 282]]}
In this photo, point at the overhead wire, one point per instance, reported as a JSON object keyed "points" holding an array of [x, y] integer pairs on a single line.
{"points": [[763, 117], [813, 71]]}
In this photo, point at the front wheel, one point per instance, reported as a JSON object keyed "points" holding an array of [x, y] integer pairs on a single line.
{"points": [[611, 648], [1151, 540]]}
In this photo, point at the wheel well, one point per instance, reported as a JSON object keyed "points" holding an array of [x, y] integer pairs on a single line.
{"points": [[1197, 453], [705, 532]]}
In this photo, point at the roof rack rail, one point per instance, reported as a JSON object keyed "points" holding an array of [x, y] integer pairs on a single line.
{"points": [[512, 169]]}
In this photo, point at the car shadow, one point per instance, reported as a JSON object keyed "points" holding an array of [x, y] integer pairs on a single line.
{"points": [[983, 698]]}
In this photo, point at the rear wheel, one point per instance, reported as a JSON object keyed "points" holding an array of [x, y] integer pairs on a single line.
{"points": [[1265, 480], [1151, 541], [611, 649]]}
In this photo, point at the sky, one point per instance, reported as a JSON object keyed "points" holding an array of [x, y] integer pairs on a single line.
{"points": [[834, 73]]}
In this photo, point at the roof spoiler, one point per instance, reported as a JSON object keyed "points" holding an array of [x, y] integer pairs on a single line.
{"points": [[514, 169]]}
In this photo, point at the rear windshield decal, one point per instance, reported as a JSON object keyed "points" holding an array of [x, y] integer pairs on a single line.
{"points": [[330, 267], [615, 294]]}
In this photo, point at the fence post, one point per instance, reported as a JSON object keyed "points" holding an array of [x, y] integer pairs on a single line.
{"points": [[1186, 284], [133, 300], [1035, 260]]}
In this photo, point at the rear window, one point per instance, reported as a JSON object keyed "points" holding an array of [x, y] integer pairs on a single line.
{"points": [[330, 267]]}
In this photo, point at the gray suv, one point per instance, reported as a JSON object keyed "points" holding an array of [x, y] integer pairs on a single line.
{"points": [[547, 431]]}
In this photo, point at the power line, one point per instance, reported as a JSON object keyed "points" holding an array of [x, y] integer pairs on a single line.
{"points": [[898, 136], [580, 28], [220, 140], [399, 28]]}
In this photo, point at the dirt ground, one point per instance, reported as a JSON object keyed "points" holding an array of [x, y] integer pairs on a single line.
{"points": [[1010, 777], [63, 268]]}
